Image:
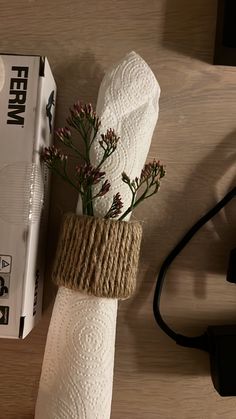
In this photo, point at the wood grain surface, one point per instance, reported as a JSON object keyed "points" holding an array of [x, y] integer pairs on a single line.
{"points": [[195, 139]]}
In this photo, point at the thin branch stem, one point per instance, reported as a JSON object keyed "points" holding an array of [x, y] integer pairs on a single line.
{"points": [[105, 156], [133, 203], [94, 136], [73, 147], [64, 177]]}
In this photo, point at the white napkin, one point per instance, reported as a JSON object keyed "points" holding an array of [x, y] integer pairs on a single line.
{"points": [[128, 102], [77, 373]]}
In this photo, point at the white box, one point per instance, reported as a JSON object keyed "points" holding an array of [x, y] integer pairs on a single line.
{"points": [[27, 104]]}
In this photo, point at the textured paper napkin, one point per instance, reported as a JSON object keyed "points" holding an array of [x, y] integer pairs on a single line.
{"points": [[77, 373]]}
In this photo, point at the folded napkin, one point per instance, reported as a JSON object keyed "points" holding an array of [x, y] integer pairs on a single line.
{"points": [[77, 372], [128, 102]]}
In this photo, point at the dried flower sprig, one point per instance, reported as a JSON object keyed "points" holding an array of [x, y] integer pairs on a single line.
{"points": [[85, 121], [85, 114], [108, 142], [104, 189], [149, 180], [52, 155], [65, 136], [88, 175], [57, 162], [116, 207]]}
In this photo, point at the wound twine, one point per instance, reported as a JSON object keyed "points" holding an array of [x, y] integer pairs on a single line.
{"points": [[98, 256]]}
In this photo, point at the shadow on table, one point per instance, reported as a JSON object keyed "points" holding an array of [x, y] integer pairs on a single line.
{"points": [[77, 79], [189, 28], [212, 257]]}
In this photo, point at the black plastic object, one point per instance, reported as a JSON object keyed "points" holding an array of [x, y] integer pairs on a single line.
{"points": [[231, 273], [225, 41], [222, 350], [218, 341]]}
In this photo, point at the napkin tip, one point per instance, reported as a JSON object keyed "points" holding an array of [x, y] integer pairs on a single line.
{"points": [[133, 55]]}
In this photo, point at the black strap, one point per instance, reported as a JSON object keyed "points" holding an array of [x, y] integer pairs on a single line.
{"points": [[200, 342]]}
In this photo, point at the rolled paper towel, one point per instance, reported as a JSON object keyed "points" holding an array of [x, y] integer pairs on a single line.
{"points": [[128, 102], [77, 372]]}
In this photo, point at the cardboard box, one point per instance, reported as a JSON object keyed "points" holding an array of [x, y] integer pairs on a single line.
{"points": [[27, 103]]}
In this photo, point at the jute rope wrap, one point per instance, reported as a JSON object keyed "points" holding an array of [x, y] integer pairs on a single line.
{"points": [[98, 256]]}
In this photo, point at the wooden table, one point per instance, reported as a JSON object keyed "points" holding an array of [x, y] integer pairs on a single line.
{"points": [[195, 138]]}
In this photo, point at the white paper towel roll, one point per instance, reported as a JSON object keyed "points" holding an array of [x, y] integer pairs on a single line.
{"points": [[77, 372], [128, 102], [78, 363]]}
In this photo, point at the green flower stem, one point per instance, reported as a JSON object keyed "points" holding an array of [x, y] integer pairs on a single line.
{"points": [[94, 136], [93, 198], [105, 156], [78, 128], [130, 209], [89, 203], [73, 147], [126, 213], [83, 133], [86, 208], [88, 195], [64, 177], [87, 198], [101, 162], [84, 205], [133, 203]]}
